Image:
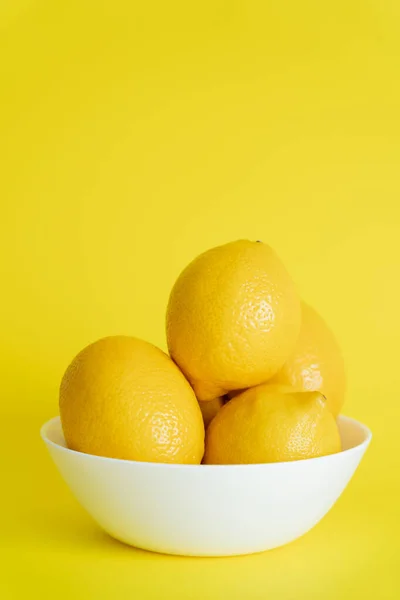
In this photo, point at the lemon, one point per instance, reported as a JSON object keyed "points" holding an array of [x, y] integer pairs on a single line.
{"points": [[209, 409], [316, 362], [233, 318], [271, 424], [124, 398]]}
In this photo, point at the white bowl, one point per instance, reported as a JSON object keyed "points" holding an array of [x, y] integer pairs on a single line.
{"points": [[208, 510]]}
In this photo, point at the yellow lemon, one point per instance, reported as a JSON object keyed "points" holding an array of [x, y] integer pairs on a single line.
{"points": [[124, 398], [209, 409], [316, 362], [271, 424], [233, 318]]}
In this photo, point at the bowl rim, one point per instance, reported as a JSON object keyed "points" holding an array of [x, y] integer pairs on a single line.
{"points": [[354, 449]]}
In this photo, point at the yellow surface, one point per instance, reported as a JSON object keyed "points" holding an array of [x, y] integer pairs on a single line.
{"points": [[133, 137]]}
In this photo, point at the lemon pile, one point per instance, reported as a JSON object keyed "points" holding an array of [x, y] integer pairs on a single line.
{"points": [[253, 373]]}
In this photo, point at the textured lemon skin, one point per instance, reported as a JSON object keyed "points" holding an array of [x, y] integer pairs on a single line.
{"points": [[266, 424], [124, 398], [233, 318], [316, 362]]}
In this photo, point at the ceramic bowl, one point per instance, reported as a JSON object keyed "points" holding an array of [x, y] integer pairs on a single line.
{"points": [[208, 510]]}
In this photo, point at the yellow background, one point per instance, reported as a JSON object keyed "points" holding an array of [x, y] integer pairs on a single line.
{"points": [[133, 137]]}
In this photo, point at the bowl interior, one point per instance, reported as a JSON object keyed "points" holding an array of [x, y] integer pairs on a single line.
{"points": [[352, 433]]}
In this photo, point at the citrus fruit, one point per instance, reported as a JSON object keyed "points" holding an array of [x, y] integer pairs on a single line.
{"points": [[122, 397], [316, 362], [271, 424], [209, 409], [233, 318]]}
